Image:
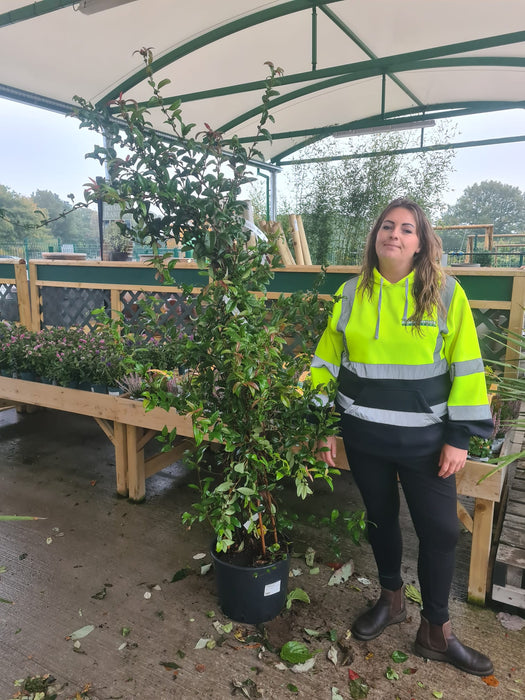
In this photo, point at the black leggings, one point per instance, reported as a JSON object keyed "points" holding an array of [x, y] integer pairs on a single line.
{"points": [[432, 504]]}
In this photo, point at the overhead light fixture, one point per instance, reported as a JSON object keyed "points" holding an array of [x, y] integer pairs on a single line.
{"points": [[398, 126], [89, 7]]}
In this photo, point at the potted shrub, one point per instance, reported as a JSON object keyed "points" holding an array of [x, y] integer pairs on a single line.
{"points": [[256, 424], [118, 244]]}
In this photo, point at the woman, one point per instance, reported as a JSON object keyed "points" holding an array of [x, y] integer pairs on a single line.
{"points": [[402, 349]]}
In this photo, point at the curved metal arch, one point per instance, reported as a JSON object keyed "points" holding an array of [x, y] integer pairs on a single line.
{"points": [[209, 37], [441, 110], [374, 69]]}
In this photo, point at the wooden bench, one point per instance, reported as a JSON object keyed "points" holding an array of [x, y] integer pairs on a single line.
{"points": [[130, 429]]}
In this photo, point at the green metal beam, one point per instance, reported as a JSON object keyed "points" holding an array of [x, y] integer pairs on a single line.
{"points": [[357, 71], [375, 68], [405, 151], [35, 9], [216, 34], [444, 110], [353, 36]]}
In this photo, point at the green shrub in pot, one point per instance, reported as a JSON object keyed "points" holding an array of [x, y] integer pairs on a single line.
{"points": [[255, 419]]}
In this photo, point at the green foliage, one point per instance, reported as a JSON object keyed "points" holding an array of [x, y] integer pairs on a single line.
{"points": [[295, 652], [243, 387], [17, 216], [489, 202], [342, 526], [297, 594], [42, 218], [339, 199]]}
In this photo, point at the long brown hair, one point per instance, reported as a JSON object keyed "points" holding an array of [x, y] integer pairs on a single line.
{"points": [[428, 275]]}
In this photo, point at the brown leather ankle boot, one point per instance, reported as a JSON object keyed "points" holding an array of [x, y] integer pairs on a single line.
{"points": [[437, 642], [389, 610]]}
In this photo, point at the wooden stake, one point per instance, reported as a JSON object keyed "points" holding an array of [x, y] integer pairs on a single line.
{"points": [[304, 242], [296, 240]]}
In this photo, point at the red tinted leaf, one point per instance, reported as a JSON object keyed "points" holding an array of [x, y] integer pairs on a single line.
{"points": [[490, 680]]}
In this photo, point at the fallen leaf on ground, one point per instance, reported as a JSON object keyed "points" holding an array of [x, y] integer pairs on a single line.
{"points": [[332, 655], [200, 555], [336, 695], [203, 641], [81, 633], [358, 688], [413, 594], [309, 557], [342, 574], [181, 574], [490, 680], [303, 668], [100, 595]]}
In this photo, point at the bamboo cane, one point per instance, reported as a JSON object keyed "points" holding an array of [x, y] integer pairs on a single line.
{"points": [[304, 242], [296, 240]]}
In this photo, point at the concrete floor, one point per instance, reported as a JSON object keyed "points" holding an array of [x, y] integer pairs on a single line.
{"points": [[95, 556]]}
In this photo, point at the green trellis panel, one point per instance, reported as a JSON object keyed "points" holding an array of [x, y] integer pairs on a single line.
{"points": [[128, 277], [496, 288]]}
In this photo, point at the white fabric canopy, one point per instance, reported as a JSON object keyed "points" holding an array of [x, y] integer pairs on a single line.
{"points": [[348, 63]]}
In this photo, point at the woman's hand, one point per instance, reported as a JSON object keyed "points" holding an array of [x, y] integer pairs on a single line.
{"points": [[328, 456], [451, 460]]}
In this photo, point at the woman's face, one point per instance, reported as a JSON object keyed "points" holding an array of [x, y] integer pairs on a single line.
{"points": [[397, 240]]}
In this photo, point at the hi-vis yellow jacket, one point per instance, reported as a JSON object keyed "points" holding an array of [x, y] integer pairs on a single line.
{"points": [[399, 390]]}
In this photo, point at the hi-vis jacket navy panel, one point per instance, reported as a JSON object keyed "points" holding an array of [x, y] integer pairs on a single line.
{"points": [[401, 390]]}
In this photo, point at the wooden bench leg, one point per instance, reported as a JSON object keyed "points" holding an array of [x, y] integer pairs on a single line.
{"points": [[121, 457], [480, 552], [135, 463]]}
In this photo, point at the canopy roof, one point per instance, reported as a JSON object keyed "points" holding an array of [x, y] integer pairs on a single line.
{"points": [[348, 63]]}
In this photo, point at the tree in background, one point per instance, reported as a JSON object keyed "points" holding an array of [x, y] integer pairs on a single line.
{"points": [[17, 216], [489, 202], [78, 227], [340, 199], [21, 222]]}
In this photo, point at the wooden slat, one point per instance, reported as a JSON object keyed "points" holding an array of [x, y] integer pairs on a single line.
{"points": [[465, 517], [106, 427], [509, 595], [164, 459], [512, 536], [479, 557], [511, 555], [22, 290]]}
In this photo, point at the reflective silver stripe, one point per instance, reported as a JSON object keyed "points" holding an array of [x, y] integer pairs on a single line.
{"points": [[466, 367], [410, 419], [347, 303], [446, 297], [469, 413], [320, 363], [367, 371]]}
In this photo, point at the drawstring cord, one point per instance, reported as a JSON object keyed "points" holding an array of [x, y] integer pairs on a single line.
{"points": [[379, 309], [405, 312]]}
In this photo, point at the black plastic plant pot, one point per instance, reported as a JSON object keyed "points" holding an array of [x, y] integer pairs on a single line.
{"points": [[251, 594]]}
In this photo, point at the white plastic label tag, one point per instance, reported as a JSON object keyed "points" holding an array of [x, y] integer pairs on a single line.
{"points": [[272, 588]]}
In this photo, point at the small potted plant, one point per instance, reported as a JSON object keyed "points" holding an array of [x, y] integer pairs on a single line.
{"points": [[118, 245], [255, 419]]}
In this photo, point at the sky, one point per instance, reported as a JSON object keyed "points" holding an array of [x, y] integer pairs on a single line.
{"points": [[43, 150]]}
